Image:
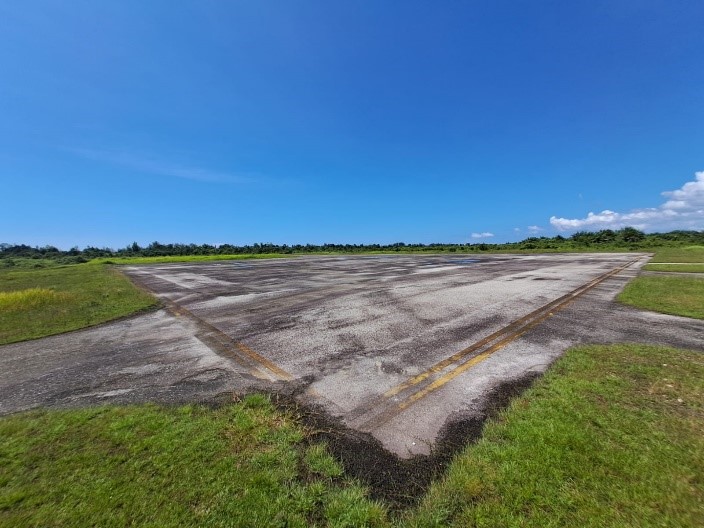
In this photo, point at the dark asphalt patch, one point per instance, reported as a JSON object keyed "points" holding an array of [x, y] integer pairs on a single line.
{"points": [[399, 482]]}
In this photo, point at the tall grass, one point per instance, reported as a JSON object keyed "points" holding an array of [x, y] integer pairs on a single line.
{"points": [[30, 299]]}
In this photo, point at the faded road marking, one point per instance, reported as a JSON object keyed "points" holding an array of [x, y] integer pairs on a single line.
{"points": [[222, 344], [380, 410]]}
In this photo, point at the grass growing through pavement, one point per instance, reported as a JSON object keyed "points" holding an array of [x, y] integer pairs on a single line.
{"points": [[240, 465], [674, 295], [44, 301], [612, 436]]}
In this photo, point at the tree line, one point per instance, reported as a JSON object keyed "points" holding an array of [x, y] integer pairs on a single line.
{"points": [[627, 238]]}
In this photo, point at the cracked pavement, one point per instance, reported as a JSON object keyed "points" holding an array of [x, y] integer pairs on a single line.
{"points": [[368, 338]]}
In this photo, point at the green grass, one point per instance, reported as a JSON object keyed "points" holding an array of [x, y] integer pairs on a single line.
{"points": [[186, 258], [675, 295], [241, 465], [612, 436], [684, 260], [401, 251], [679, 254], [45, 301], [679, 268], [670, 294], [18, 263]]}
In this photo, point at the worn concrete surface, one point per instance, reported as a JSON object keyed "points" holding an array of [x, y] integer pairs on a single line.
{"points": [[152, 357], [365, 337]]}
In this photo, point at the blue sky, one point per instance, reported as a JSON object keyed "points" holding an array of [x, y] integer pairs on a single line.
{"points": [[360, 122]]}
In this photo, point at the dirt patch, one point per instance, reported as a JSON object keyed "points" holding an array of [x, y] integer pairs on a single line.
{"points": [[397, 482]]}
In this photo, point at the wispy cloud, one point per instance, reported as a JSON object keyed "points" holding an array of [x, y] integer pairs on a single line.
{"points": [[684, 209], [486, 234], [534, 229], [150, 165]]}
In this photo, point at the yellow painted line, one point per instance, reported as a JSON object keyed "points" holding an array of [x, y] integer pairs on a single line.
{"points": [[280, 373], [520, 326], [438, 367], [442, 380], [501, 344], [260, 362]]}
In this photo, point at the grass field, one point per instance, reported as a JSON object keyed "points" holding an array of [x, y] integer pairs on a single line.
{"points": [[44, 301], [612, 436], [404, 251], [27, 263], [684, 260], [241, 465], [679, 254], [689, 267], [675, 295], [186, 258]]}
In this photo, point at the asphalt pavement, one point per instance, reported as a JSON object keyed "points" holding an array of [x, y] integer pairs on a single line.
{"points": [[400, 347]]}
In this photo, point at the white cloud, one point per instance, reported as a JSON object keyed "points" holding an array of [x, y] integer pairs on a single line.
{"points": [[150, 165], [534, 229], [684, 209], [482, 235], [517, 229]]}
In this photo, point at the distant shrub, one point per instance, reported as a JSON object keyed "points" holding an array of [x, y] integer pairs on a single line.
{"points": [[77, 259]]}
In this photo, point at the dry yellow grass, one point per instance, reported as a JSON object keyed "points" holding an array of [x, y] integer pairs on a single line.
{"points": [[30, 298], [40, 302]]}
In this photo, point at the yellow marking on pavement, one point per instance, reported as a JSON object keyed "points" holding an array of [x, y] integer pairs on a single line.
{"points": [[474, 361], [512, 332], [215, 338], [438, 367], [280, 373]]}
